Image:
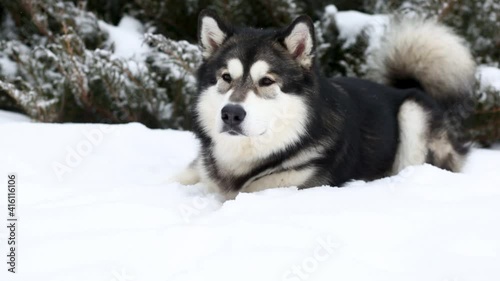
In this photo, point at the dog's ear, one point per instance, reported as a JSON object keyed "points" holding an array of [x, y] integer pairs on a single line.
{"points": [[212, 32], [300, 41]]}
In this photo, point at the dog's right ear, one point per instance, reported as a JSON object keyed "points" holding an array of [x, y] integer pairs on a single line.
{"points": [[212, 32], [300, 41]]}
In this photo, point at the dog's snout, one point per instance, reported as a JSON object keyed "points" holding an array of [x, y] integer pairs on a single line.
{"points": [[233, 114]]}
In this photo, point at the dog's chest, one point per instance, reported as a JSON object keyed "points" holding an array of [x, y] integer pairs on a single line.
{"points": [[227, 179]]}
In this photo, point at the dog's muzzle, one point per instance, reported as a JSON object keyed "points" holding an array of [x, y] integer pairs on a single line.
{"points": [[233, 115]]}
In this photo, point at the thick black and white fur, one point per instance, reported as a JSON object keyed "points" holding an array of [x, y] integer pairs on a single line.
{"points": [[266, 117]]}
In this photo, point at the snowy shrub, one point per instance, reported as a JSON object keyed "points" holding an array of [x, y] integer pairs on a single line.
{"points": [[485, 124], [174, 64], [119, 61], [477, 21], [339, 55], [73, 75]]}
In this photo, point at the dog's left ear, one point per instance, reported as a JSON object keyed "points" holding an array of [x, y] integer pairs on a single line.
{"points": [[299, 40], [212, 32]]}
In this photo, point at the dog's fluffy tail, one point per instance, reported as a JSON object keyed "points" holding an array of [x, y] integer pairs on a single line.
{"points": [[422, 53], [417, 52]]}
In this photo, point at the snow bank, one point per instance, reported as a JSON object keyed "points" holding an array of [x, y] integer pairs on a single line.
{"points": [[110, 217], [9, 117]]}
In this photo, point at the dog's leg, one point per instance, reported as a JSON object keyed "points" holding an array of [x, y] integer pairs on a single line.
{"points": [[443, 154], [419, 144], [189, 176], [414, 124], [281, 179]]}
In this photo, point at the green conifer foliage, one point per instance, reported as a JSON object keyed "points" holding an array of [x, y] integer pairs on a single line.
{"points": [[57, 60]]}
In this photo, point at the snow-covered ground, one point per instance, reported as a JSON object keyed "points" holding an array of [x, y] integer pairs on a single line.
{"points": [[8, 117], [92, 206]]}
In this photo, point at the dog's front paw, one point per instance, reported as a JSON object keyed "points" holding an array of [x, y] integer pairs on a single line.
{"points": [[188, 176]]}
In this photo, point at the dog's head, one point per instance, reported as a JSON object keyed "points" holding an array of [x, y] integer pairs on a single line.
{"points": [[254, 83]]}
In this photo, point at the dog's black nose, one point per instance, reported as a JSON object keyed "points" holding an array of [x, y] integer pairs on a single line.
{"points": [[233, 114]]}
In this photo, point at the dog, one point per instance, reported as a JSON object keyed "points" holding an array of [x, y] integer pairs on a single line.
{"points": [[266, 117]]}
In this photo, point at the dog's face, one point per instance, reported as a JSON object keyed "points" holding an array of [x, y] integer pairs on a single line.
{"points": [[253, 83]]}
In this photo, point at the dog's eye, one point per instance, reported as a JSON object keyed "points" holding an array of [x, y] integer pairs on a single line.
{"points": [[266, 82], [226, 77]]}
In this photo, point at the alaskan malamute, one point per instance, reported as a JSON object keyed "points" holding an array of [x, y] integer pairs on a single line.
{"points": [[266, 117]]}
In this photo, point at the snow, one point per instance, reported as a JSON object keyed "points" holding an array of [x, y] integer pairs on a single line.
{"points": [[489, 77], [352, 23], [110, 216], [7, 67], [127, 37], [94, 204], [10, 117]]}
